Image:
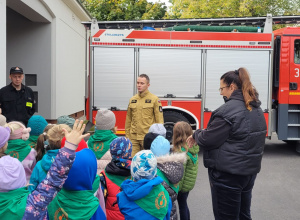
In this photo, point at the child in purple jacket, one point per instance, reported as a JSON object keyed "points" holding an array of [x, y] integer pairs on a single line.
{"points": [[16, 202]]}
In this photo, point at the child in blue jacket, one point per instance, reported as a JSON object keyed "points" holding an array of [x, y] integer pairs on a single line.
{"points": [[55, 135], [144, 197]]}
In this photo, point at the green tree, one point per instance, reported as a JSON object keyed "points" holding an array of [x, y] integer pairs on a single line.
{"points": [[231, 8], [116, 10]]}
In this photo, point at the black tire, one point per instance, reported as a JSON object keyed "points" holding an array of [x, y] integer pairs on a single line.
{"points": [[170, 119]]}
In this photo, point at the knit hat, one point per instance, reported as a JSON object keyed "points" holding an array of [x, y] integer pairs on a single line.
{"points": [[2, 120], [20, 133], [12, 174], [148, 139], [160, 146], [144, 165], [158, 129], [4, 135], [105, 119], [120, 150], [65, 119], [37, 124]]}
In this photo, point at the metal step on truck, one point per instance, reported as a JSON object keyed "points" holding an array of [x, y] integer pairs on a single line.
{"points": [[185, 65]]}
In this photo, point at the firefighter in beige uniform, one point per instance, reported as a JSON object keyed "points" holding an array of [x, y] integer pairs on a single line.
{"points": [[144, 109]]}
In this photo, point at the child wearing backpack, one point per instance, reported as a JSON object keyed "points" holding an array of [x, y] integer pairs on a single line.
{"points": [[182, 130]]}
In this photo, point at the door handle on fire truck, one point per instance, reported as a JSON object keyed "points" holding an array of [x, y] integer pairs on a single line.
{"points": [[114, 109], [293, 86], [169, 96]]}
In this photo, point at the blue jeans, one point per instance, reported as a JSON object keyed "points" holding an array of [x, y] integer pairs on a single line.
{"points": [[231, 195], [184, 211]]}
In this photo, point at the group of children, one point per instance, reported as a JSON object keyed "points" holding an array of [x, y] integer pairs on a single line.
{"points": [[39, 172]]}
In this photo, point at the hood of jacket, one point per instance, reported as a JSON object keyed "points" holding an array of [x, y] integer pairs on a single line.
{"points": [[172, 166], [104, 135], [48, 159], [83, 172], [140, 189]]}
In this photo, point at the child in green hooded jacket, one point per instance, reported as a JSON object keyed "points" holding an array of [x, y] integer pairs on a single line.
{"points": [[104, 134], [182, 130]]}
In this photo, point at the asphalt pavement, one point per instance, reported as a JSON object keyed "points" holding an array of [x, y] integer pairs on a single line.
{"points": [[276, 193]]}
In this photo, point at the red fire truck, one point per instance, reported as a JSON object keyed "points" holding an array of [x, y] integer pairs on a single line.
{"points": [[185, 67]]}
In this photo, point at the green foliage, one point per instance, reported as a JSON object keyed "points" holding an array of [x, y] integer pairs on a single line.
{"points": [[231, 8], [117, 10]]}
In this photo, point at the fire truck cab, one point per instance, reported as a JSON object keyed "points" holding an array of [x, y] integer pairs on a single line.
{"points": [[286, 91]]}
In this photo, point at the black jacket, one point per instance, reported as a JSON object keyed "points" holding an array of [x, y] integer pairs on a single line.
{"points": [[17, 105], [234, 139]]}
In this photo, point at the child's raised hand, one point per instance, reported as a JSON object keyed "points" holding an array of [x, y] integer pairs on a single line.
{"points": [[190, 141], [76, 135]]}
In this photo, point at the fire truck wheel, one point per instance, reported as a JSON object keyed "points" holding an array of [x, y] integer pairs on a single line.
{"points": [[170, 118]]}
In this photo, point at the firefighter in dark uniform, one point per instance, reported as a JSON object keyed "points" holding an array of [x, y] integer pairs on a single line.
{"points": [[144, 109], [17, 100]]}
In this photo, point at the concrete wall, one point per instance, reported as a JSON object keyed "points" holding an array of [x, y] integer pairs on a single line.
{"points": [[2, 43], [46, 38], [29, 47], [69, 57]]}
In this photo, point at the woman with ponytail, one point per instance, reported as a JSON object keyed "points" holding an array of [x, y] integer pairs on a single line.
{"points": [[233, 145]]}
